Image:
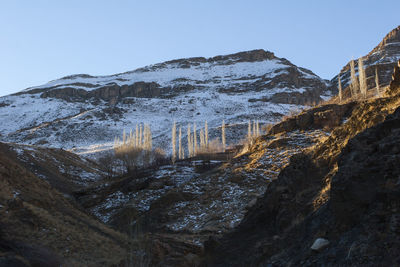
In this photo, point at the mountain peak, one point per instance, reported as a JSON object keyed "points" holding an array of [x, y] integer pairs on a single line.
{"points": [[393, 37], [251, 56], [246, 56]]}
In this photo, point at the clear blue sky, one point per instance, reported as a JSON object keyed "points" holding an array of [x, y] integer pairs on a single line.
{"points": [[44, 40]]}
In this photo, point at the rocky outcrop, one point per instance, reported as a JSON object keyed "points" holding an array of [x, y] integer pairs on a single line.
{"points": [[367, 181], [295, 98], [185, 63], [108, 93], [323, 117], [395, 83]]}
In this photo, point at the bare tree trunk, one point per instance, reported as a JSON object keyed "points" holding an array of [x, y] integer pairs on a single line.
{"points": [[362, 77], [377, 82], [249, 131], [202, 143], [206, 134], [180, 144], [223, 136], [174, 142], [354, 87], [137, 136], [189, 141], [340, 89], [194, 140]]}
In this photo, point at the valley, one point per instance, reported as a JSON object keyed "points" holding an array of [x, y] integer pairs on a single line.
{"points": [[320, 168]]}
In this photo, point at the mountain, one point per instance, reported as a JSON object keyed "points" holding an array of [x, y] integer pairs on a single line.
{"points": [[383, 57], [320, 187], [85, 113]]}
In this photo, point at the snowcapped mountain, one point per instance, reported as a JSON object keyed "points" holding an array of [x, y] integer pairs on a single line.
{"points": [[383, 57], [84, 113]]}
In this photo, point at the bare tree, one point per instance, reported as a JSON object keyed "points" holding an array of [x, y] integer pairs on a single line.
{"points": [[123, 137], [249, 134], [181, 151], [340, 89], [362, 77], [174, 142], [206, 133], [108, 164], [354, 87], [189, 139], [202, 142], [131, 136], [137, 136], [148, 144], [377, 82], [159, 157], [223, 136], [140, 134], [194, 140]]}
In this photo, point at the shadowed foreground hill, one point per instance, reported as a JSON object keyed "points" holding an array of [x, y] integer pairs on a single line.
{"points": [[40, 227], [345, 190]]}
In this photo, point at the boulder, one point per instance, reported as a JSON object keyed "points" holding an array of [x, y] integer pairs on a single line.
{"points": [[319, 244]]}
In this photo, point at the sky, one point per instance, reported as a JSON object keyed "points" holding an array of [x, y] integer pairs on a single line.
{"points": [[43, 40]]}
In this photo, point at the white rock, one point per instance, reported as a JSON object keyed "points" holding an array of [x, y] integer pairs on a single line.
{"points": [[319, 244]]}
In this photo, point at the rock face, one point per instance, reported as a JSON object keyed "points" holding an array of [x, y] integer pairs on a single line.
{"points": [[367, 182], [395, 83], [383, 57], [108, 92], [324, 117]]}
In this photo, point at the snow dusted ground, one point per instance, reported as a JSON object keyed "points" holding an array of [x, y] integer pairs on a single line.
{"points": [[179, 199], [75, 126], [57, 166]]}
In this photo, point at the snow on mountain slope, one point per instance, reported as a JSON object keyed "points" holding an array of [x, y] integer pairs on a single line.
{"points": [[84, 113], [173, 74]]}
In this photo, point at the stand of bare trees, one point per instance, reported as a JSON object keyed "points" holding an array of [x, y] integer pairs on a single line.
{"points": [[136, 149], [198, 141], [359, 86]]}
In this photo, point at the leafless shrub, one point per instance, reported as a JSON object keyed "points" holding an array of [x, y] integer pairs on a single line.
{"points": [[159, 157], [132, 157], [108, 164]]}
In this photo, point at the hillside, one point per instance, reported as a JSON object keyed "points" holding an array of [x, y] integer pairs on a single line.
{"points": [[85, 113], [344, 190], [43, 226]]}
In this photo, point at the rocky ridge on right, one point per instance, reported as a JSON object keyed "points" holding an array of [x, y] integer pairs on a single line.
{"points": [[346, 190]]}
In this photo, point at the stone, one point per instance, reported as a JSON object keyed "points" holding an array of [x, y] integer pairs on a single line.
{"points": [[319, 244]]}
